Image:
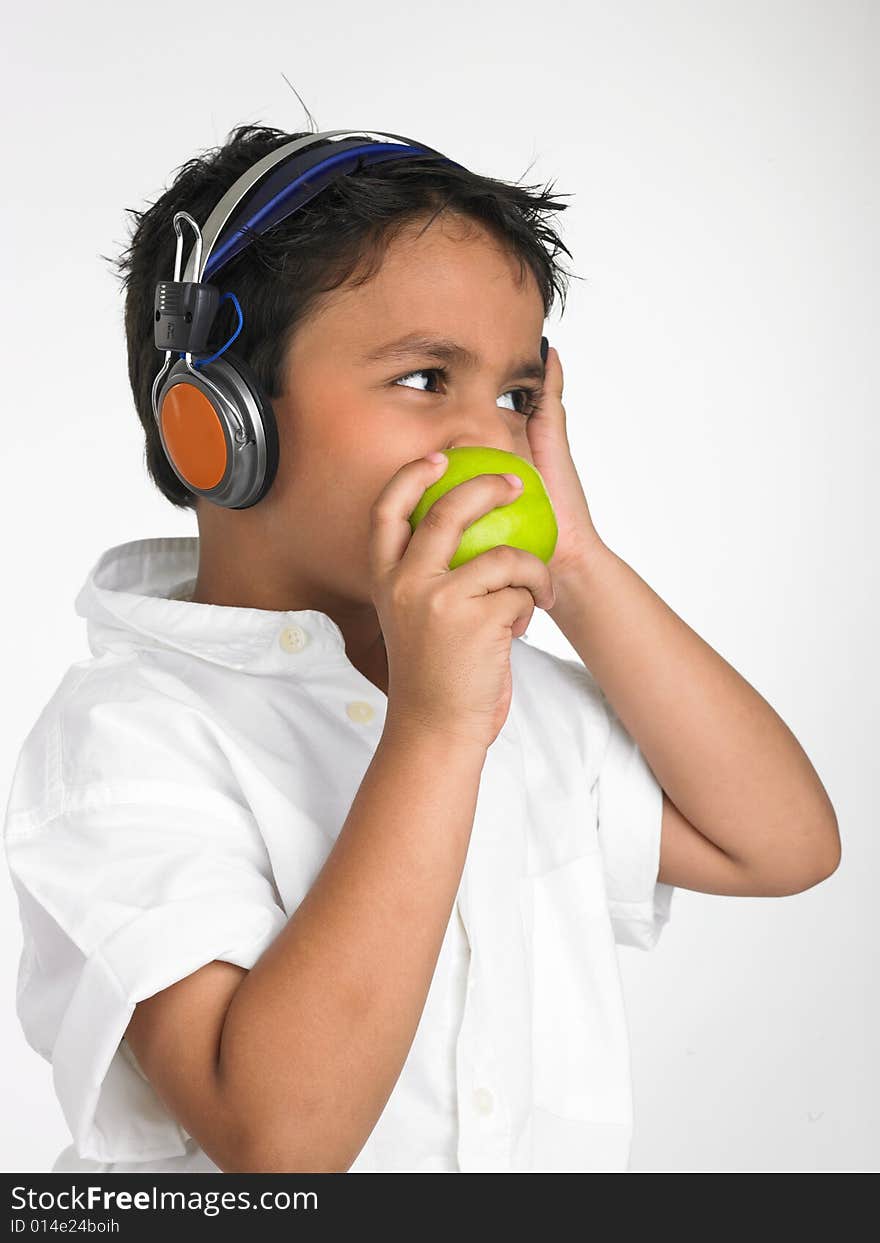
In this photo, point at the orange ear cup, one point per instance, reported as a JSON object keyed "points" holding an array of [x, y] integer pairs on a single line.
{"points": [[194, 435]]}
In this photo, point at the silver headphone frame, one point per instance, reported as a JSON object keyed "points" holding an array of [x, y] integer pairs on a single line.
{"points": [[246, 444]]}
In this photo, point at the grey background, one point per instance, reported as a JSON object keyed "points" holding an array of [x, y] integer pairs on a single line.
{"points": [[721, 394]]}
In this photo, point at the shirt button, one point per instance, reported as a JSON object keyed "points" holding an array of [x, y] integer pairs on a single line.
{"points": [[360, 711], [483, 1101], [293, 638]]}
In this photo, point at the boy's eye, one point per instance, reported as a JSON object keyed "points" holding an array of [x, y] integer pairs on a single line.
{"points": [[531, 397]]}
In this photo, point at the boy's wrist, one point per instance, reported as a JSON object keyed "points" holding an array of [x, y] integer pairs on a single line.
{"points": [[428, 737]]}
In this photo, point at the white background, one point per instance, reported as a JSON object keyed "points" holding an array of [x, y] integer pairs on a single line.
{"points": [[721, 388]]}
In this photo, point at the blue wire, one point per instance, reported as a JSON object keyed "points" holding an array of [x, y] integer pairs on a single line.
{"points": [[200, 362]]}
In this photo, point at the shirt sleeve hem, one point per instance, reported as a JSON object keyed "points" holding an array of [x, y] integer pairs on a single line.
{"points": [[141, 959], [639, 924]]}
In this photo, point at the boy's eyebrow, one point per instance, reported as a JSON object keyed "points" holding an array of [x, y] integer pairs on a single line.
{"points": [[444, 350]]}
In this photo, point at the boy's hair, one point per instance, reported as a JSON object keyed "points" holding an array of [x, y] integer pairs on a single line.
{"points": [[340, 235]]}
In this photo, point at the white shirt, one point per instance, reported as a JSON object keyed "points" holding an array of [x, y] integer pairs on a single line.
{"points": [[176, 799]]}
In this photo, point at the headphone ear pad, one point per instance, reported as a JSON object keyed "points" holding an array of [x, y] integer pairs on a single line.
{"points": [[270, 426]]}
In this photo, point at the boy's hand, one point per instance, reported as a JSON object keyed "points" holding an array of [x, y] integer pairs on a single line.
{"points": [[548, 441], [448, 632]]}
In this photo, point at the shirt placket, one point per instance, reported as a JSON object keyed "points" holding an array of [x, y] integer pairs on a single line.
{"points": [[489, 887]]}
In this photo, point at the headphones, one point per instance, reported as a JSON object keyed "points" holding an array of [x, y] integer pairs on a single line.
{"points": [[217, 429]]}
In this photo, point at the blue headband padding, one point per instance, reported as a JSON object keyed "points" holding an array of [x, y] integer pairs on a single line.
{"points": [[279, 196]]}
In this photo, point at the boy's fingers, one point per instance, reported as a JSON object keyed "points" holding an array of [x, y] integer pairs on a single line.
{"points": [[389, 515], [435, 541]]}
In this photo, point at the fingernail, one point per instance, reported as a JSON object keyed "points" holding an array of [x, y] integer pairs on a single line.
{"points": [[436, 457], [514, 479]]}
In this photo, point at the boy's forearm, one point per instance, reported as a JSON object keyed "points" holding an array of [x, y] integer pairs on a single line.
{"points": [[318, 1032], [724, 757]]}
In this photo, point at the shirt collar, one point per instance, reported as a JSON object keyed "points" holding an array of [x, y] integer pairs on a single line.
{"points": [[135, 597]]}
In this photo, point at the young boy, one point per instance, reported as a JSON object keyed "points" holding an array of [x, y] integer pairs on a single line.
{"points": [[320, 865]]}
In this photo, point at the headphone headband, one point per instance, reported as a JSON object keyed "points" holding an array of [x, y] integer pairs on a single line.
{"points": [[225, 210]]}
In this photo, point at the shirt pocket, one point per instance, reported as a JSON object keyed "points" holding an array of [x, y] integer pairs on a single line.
{"points": [[580, 1044]]}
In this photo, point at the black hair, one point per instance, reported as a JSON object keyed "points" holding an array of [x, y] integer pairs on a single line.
{"points": [[280, 274]]}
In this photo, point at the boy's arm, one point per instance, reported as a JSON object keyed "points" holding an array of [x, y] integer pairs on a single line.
{"points": [[744, 811], [316, 1034]]}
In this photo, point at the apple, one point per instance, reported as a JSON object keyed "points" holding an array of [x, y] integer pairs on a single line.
{"points": [[527, 521]]}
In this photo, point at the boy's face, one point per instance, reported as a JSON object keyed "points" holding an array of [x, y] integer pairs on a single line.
{"points": [[346, 422], [345, 426]]}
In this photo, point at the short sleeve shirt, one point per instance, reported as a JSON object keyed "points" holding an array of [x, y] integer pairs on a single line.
{"points": [[176, 799]]}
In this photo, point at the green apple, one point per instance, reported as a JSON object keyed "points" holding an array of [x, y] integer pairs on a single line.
{"points": [[527, 521]]}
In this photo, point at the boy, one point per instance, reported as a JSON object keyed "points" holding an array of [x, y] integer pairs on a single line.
{"points": [[320, 866]]}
